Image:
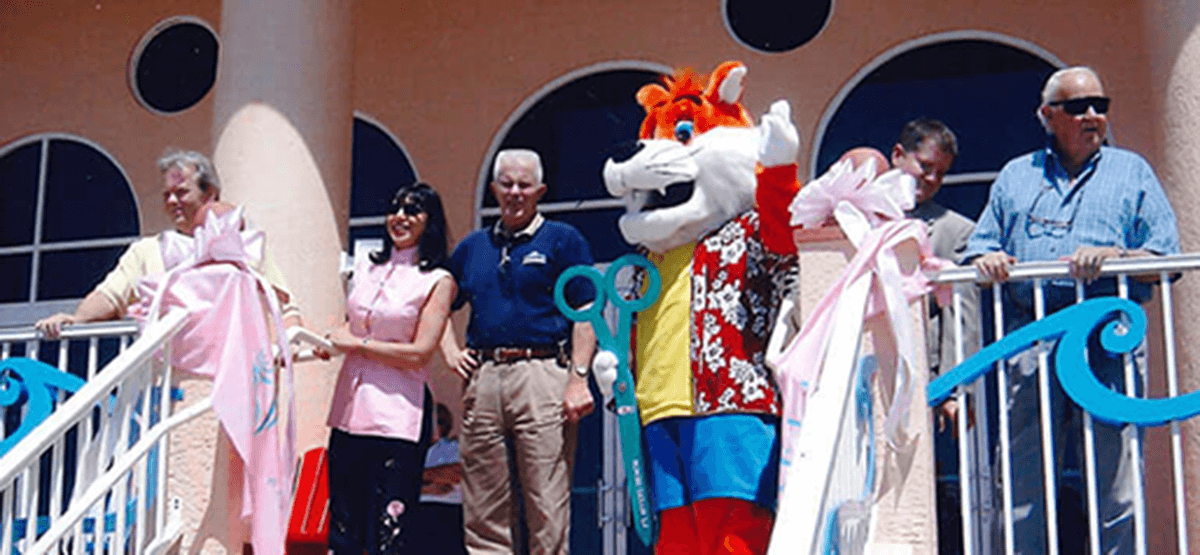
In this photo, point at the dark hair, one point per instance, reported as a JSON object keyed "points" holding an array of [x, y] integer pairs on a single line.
{"points": [[206, 174], [916, 131], [431, 247]]}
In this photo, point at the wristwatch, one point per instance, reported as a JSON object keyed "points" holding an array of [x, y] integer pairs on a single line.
{"points": [[580, 370]]}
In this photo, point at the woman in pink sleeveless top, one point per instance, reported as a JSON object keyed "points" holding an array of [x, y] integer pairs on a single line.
{"points": [[396, 310]]}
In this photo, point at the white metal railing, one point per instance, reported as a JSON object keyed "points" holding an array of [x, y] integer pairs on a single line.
{"points": [[111, 500], [975, 446], [92, 339]]}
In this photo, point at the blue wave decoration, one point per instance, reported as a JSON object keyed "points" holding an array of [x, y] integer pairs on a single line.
{"points": [[1122, 325], [34, 382]]}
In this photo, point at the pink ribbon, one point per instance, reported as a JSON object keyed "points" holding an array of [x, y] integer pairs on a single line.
{"points": [[870, 212], [226, 338]]}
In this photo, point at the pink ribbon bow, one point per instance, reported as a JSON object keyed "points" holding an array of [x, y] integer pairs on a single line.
{"points": [[226, 337]]}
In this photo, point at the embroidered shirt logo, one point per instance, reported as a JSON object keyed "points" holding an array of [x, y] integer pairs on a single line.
{"points": [[534, 257]]}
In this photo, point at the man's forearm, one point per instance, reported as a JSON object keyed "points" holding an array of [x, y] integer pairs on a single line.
{"points": [[96, 307]]}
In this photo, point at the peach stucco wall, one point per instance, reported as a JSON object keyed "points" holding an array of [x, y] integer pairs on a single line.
{"points": [[1173, 33], [465, 67], [64, 68]]}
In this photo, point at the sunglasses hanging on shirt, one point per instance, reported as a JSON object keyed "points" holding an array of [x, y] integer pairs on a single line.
{"points": [[1079, 106]]}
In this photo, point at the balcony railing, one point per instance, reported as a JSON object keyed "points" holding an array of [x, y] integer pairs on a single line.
{"points": [[986, 457], [82, 349], [90, 478]]}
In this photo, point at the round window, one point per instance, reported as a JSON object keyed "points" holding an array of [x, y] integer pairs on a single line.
{"points": [[175, 65], [772, 26]]}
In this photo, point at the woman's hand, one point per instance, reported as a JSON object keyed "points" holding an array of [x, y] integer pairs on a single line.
{"points": [[343, 341]]}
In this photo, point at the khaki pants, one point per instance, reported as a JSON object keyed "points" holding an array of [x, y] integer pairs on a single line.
{"points": [[523, 402]]}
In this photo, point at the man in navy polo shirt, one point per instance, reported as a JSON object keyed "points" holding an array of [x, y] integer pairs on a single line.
{"points": [[519, 389]]}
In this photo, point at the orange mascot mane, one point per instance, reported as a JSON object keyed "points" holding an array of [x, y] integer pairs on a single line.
{"points": [[685, 98]]}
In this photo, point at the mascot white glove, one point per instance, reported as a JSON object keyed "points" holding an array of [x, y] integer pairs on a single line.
{"points": [[779, 142], [604, 369]]}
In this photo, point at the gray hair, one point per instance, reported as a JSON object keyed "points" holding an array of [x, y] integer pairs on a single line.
{"points": [[1054, 84], [518, 154], [184, 158]]}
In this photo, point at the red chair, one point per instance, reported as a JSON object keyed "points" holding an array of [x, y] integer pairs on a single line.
{"points": [[308, 527]]}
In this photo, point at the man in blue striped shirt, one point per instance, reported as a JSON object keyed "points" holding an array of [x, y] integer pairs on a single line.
{"points": [[1080, 201]]}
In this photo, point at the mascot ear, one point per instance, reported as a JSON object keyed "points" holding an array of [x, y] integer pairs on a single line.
{"points": [[652, 98], [652, 95], [727, 83]]}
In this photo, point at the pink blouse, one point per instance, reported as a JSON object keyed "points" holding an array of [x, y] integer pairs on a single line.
{"points": [[385, 301]]}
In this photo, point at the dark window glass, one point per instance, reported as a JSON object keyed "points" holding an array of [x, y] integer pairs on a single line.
{"points": [[967, 198], [985, 91], [71, 274], [177, 67], [380, 167], [370, 232], [14, 288], [19, 183], [773, 26], [86, 195], [574, 128]]}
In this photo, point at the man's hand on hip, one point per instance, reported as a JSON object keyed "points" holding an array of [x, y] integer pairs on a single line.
{"points": [[465, 362], [578, 402]]}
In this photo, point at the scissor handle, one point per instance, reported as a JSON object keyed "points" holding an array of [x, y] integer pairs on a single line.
{"points": [[654, 285], [594, 311], [606, 288]]}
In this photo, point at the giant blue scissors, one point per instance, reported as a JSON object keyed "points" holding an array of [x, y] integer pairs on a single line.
{"points": [[628, 421]]}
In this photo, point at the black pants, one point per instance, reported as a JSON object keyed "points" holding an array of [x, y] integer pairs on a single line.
{"points": [[374, 489]]}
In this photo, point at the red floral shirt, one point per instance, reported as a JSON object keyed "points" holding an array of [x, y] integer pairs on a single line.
{"points": [[737, 287]]}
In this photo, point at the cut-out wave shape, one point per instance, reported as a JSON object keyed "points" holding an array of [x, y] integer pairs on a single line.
{"points": [[1122, 325]]}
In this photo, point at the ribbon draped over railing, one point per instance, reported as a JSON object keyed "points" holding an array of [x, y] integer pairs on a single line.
{"points": [[870, 210], [227, 338]]}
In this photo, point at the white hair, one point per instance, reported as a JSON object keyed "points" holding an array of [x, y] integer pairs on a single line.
{"points": [[207, 174], [519, 154], [1054, 84]]}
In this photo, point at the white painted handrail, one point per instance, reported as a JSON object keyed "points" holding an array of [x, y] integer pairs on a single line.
{"points": [[119, 420], [27, 341], [91, 394]]}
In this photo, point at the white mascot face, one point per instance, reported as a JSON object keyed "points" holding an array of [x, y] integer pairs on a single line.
{"points": [[675, 193]]}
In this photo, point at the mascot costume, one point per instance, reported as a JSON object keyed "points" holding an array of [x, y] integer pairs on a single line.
{"points": [[707, 195]]}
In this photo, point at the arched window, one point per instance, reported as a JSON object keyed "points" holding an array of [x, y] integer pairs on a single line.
{"points": [[67, 215], [380, 166], [986, 87], [573, 123]]}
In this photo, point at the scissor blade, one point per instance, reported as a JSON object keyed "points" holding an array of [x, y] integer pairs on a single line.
{"points": [[630, 430]]}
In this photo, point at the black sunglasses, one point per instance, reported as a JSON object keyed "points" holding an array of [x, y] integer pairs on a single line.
{"points": [[409, 208], [1079, 106]]}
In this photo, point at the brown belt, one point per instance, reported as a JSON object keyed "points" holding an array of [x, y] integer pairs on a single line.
{"points": [[506, 355]]}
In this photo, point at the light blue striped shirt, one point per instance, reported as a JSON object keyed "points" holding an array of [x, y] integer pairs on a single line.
{"points": [[1034, 212]]}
